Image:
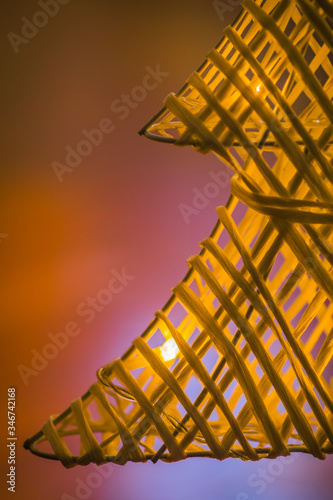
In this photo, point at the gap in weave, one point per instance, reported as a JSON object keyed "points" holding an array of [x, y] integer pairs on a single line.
{"points": [[215, 303], [267, 336], [259, 371], [263, 52], [173, 132], [136, 372], [239, 405], [206, 70], [239, 264], [290, 27], [321, 402], [309, 330], [116, 382], [194, 287], [243, 19], [270, 102], [229, 391], [280, 83], [233, 151], [246, 30], [241, 344], [328, 372], [327, 303], [301, 103], [210, 359], [291, 299], [239, 212], [193, 388], [111, 399], [45, 447], [146, 385], [216, 89], [329, 22], [185, 94], [295, 385], [254, 444], [249, 74], [280, 408], [214, 417], [275, 347], [321, 256], [99, 437], [157, 443], [177, 314], [253, 130], [270, 390], [278, 263], [129, 408], [294, 440], [294, 322], [270, 158], [181, 410], [251, 245], [73, 443], [213, 78], [223, 45], [237, 446], [283, 282], [321, 75], [317, 38], [309, 55], [223, 239], [307, 409], [316, 348], [93, 411], [251, 358], [174, 363], [286, 367], [209, 264], [194, 335], [156, 340], [327, 148], [203, 446], [330, 56], [232, 327], [257, 318], [231, 53], [274, 57]]}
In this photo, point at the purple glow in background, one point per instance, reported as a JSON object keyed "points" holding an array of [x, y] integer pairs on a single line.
{"points": [[118, 209]]}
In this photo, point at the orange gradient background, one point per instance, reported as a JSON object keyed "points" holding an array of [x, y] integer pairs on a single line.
{"points": [[118, 209]]}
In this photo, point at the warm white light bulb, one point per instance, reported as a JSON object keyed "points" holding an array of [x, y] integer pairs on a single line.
{"points": [[258, 88], [169, 350]]}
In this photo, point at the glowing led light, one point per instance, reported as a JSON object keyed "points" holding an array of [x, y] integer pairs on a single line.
{"points": [[258, 88], [169, 350]]}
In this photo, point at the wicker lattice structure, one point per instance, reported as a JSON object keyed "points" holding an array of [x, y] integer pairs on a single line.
{"points": [[238, 363]]}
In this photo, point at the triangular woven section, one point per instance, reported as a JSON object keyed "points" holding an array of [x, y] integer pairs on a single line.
{"points": [[238, 363]]}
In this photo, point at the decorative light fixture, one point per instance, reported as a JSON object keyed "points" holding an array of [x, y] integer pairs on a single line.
{"points": [[251, 323]]}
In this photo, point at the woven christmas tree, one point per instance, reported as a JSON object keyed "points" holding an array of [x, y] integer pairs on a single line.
{"points": [[250, 326]]}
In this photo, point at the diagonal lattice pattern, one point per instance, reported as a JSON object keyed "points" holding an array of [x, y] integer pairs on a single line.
{"points": [[238, 363]]}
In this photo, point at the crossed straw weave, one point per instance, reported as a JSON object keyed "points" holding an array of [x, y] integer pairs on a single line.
{"points": [[252, 320]]}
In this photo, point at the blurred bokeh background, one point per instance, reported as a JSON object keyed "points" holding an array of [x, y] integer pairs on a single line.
{"points": [[61, 236]]}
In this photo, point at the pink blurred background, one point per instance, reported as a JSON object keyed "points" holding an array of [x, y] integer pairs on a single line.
{"points": [[60, 241]]}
